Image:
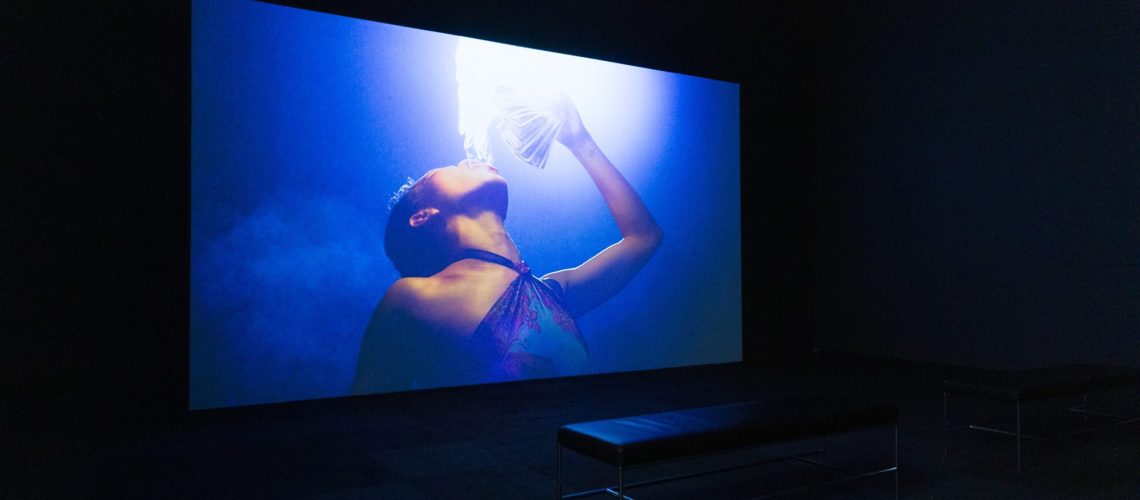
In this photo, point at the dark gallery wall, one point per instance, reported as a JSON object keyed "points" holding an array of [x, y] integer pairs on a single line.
{"points": [[95, 210], [976, 181], [94, 226]]}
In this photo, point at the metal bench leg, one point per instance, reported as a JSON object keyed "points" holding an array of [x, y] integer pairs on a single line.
{"points": [[1019, 437], [896, 461], [621, 483], [1085, 407], [945, 423]]}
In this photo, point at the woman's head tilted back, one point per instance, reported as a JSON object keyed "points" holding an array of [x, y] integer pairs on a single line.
{"points": [[416, 251], [416, 238]]}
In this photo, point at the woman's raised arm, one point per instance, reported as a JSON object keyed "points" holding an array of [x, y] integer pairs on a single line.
{"points": [[605, 274]]}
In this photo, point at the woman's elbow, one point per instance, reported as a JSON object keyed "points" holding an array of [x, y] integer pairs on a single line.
{"points": [[652, 239]]}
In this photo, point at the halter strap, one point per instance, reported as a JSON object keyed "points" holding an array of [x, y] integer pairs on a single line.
{"points": [[494, 258]]}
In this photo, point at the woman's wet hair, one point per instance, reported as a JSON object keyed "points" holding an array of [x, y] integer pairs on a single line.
{"points": [[415, 251]]}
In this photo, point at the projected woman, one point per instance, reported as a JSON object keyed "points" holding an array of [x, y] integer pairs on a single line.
{"points": [[467, 309]]}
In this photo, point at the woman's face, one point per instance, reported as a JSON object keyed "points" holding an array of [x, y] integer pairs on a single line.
{"points": [[455, 181], [469, 184]]}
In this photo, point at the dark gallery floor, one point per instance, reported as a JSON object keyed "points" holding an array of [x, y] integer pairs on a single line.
{"points": [[498, 441]]}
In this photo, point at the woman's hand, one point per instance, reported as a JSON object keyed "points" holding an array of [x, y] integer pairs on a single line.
{"points": [[572, 134]]}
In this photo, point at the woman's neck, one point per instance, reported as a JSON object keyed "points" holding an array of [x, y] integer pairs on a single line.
{"points": [[484, 231]]}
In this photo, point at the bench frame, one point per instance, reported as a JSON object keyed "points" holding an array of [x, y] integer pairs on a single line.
{"points": [[1083, 409], [618, 490]]}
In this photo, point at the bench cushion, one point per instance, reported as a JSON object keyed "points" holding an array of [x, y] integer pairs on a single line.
{"points": [[1042, 383], [656, 437]]}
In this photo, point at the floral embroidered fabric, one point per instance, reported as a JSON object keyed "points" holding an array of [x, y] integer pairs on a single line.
{"points": [[528, 333]]}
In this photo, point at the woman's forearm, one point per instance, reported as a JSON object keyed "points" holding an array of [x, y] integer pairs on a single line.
{"points": [[604, 275], [632, 217]]}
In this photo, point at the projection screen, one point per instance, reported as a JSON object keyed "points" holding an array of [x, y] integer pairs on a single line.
{"points": [[611, 194]]}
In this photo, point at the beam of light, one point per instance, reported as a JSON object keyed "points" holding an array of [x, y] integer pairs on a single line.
{"points": [[511, 84], [513, 92]]}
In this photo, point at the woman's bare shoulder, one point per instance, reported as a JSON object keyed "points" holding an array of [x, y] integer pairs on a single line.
{"points": [[407, 293]]}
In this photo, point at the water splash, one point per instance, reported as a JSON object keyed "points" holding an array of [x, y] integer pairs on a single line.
{"points": [[528, 123], [510, 86]]}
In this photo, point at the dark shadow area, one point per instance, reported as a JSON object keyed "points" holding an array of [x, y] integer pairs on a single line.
{"points": [[939, 182], [498, 441], [975, 181]]}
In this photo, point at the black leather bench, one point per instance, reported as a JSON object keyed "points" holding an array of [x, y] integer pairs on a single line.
{"points": [[644, 440], [1038, 384]]}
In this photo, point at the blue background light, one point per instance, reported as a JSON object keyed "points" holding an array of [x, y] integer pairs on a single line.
{"points": [[304, 124]]}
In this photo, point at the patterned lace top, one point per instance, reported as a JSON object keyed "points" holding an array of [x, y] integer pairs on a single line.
{"points": [[528, 333]]}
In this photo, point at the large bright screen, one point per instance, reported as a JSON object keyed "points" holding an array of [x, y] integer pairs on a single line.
{"points": [[377, 208]]}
